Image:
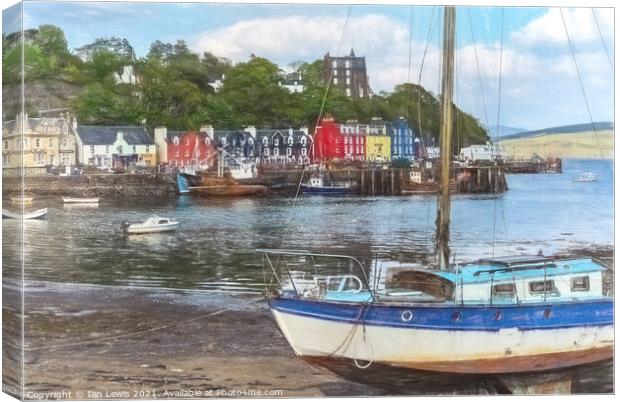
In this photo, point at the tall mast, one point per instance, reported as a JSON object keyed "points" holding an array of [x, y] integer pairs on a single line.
{"points": [[445, 142]]}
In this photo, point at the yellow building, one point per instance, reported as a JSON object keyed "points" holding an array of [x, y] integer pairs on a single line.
{"points": [[378, 144], [38, 142]]}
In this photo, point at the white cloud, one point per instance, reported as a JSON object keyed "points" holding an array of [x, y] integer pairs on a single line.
{"points": [[539, 81]]}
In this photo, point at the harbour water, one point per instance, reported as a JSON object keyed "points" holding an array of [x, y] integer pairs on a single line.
{"points": [[213, 250]]}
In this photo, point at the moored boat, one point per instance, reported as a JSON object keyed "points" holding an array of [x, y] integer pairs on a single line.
{"points": [[154, 224], [29, 215], [316, 185], [80, 200], [230, 190], [21, 199]]}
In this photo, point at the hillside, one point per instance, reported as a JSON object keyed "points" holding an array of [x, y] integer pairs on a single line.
{"points": [[573, 144], [600, 126]]}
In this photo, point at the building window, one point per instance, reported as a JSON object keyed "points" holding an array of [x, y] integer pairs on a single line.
{"points": [[36, 143], [266, 152], [187, 141], [134, 149], [304, 151], [186, 153], [289, 151], [276, 142], [348, 91], [335, 64], [335, 80], [107, 149], [65, 142], [580, 284], [207, 141], [176, 153], [348, 81], [303, 141], [276, 151], [92, 149], [290, 140], [176, 140], [147, 149], [347, 64], [348, 73]]}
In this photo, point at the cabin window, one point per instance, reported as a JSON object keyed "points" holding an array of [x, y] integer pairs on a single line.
{"points": [[504, 289], [540, 287], [580, 284]]}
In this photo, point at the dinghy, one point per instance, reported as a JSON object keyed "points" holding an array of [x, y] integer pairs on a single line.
{"points": [[76, 200], [30, 215], [21, 199]]}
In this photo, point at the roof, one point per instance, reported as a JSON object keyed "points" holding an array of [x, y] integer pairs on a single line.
{"points": [[483, 271], [106, 135]]}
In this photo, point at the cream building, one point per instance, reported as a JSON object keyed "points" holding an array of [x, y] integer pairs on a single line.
{"points": [[38, 142], [109, 146]]}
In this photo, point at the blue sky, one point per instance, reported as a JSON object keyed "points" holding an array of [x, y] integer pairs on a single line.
{"points": [[539, 81]]}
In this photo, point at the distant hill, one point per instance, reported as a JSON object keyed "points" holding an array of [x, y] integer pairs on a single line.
{"points": [[571, 129], [584, 144], [503, 131]]}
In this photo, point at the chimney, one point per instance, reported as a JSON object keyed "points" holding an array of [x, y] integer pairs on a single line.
{"points": [[304, 130], [207, 129], [251, 130], [119, 135]]}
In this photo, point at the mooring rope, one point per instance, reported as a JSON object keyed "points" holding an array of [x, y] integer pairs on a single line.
{"points": [[136, 333]]}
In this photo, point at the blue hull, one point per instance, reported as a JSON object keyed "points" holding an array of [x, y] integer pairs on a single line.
{"points": [[458, 317]]}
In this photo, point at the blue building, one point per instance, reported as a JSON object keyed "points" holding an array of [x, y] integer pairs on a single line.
{"points": [[403, 138]]}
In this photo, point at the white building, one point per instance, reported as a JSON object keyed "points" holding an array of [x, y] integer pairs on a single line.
{"points": [[107, 146], [486, 152]]}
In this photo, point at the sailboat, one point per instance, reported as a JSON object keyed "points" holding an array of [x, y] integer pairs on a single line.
{"points": [[493, 317]]}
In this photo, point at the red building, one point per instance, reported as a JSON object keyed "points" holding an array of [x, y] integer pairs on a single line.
{"points": [[190, 148], [338, 141]]}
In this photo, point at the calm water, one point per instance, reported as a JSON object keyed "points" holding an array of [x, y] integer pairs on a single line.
{"points": [[213, 250]]}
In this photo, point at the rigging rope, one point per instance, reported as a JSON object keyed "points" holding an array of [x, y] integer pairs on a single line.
{"points": [[473, 39], [598, 27], [141, 332], [499, 110], [583, 90], [318, 119]]}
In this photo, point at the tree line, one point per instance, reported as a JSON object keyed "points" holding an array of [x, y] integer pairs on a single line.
{"points": [[173, 88]]}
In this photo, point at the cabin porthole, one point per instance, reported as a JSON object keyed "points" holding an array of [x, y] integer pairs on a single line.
{"points": [[498, 315], [406, 315], [547, 313], [456, 316]]}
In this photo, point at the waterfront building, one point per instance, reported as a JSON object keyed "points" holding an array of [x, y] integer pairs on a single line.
{"points": [[186, 148], [334, 141], [109, 146], [405, 143], [283, 146], [237, 143], [347, 73], [37, 142], [486, 152], [378, 141]]}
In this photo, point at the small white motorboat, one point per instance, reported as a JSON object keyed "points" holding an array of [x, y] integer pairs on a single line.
{"points": [[30, 215], [154, 224], [21, 199], [586, 177], [77, 200]]}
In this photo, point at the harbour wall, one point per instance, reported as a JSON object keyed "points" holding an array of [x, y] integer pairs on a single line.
{"points": [[95, 185]]}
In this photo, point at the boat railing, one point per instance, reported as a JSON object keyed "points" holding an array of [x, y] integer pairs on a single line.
{"points": [[280, 262]]}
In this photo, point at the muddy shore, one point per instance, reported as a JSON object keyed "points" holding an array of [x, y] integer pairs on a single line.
{"points": [[98, 342]]}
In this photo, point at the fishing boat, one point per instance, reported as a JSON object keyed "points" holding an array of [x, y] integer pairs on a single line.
{"points": [[488, 319], [21, 199], [586, 177], [227, 190], [80, 200], [316, 185], [30, 215], [154, 224]]}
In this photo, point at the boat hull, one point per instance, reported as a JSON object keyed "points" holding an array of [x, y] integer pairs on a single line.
{"points": [[328, 190], [158, 229], [236, 190], [71, 200], [30, 215], [433, 341]]}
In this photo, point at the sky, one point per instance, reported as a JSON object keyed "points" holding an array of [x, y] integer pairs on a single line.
{"points": [[539, 79]]}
